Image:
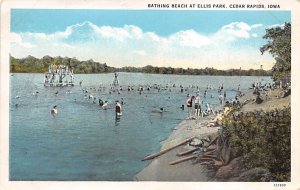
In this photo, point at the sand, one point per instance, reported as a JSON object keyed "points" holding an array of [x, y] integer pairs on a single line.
{"points": [[270, 103], [160, 169]]}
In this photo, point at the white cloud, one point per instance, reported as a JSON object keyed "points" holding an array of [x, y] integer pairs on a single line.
{"points": [[131, 46], [189, 38], [243, 26], [15, 38], [256, 26], [276, 25], [237, 29]]}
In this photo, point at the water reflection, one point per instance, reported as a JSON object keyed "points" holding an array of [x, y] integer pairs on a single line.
{"points": [[117, 120]]}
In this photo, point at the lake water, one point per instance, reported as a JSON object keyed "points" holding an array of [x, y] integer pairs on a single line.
{"points": [[85, 142]]}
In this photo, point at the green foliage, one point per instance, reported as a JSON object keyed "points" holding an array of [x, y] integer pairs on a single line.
{"points": [[33, 65], [263, 139], [279, 46]]}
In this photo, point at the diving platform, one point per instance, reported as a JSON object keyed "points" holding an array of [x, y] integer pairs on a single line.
{"points": [[58, 76]]}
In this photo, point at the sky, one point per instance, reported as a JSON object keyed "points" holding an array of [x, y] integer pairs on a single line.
{"points": [[196, 39]]}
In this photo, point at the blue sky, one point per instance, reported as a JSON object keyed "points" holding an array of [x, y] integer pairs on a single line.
{"points": [[195, 39]]}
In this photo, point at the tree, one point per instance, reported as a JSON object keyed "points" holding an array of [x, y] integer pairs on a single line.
{"points": [[279, 46]]}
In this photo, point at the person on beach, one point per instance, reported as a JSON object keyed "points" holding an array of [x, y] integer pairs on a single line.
{"points": [[54, 110], [258, 99], [209, 108], [197, 105], [227, 110], [189, 104], [118, 108], [217, 121]]}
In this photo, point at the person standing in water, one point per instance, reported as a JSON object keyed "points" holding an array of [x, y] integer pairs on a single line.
{"points": [[189, 104], [221, 99], [118, 109], [197, 105]]}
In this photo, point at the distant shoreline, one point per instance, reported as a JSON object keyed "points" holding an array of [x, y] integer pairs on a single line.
{"points": [[148, 73], [31, 64]]}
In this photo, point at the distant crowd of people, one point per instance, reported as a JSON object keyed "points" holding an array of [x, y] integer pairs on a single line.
{"points": [[196, 107], [264, 92]]}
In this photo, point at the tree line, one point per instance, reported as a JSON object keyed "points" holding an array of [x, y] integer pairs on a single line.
{"points": [[31, 64]]}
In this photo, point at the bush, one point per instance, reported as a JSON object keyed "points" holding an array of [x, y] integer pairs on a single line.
{"points": [[263, 139]]}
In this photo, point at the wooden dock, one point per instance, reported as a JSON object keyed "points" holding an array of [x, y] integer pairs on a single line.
{"points": [[58, 76]]}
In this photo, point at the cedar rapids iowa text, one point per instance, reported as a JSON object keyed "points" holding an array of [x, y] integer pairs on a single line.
{"points": [[204, 6]]}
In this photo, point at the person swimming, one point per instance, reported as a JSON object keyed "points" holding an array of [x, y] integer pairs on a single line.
{"points": [[160, 110], [182, 107], [54, 110], [105, 105], [100, 102]]}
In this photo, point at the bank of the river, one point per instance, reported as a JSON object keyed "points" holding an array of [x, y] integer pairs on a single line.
{"points": [[160, 169]]}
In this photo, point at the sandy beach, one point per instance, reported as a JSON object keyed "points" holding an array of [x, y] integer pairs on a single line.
{"points": [[160, 170], [271, 103]]}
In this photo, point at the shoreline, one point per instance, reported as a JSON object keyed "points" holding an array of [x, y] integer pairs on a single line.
{"points": [[159, 168], [12, 73]]}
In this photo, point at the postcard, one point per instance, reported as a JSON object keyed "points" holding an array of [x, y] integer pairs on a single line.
{"points": [[149, 94]]}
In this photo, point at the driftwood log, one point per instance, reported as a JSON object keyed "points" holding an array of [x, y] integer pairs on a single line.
{"points": [[220, 155], [187, 152], [183, 159], [167, 150], [211, 142]]}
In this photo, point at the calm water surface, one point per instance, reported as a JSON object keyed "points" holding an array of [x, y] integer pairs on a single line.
{"points": [[85, 142]]}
